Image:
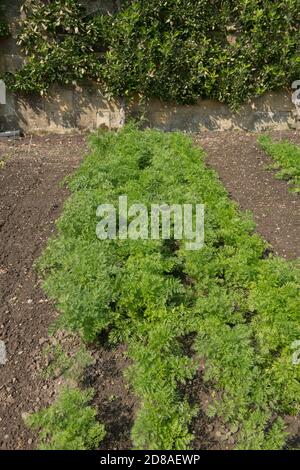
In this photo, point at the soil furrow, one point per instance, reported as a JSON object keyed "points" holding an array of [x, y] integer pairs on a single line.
{"points": [[242, 167]]}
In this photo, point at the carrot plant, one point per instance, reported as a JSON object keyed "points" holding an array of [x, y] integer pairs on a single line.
{"points": [[69, 424], [240, 305], [287, 160]]}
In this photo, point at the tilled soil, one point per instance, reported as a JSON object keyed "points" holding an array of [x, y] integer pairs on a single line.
{"points": [[242, 167], [31, 199]]}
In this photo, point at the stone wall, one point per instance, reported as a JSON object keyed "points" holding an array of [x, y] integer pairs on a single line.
{"points": [[67, 109], [63, 110], [273, 111]]}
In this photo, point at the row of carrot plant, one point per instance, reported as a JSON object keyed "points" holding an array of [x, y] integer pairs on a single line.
{"points": [[238, 302], [286, 156]]}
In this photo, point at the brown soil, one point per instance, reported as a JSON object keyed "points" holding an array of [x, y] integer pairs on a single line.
{"points": [[31, 199], [114, 400], [242, 167]]}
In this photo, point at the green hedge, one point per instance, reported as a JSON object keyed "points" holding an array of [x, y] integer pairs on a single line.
{"points": [[4, 29], [171, 49]]}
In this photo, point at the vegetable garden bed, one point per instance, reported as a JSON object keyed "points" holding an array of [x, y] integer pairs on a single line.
{"points": [[239, 303]]}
